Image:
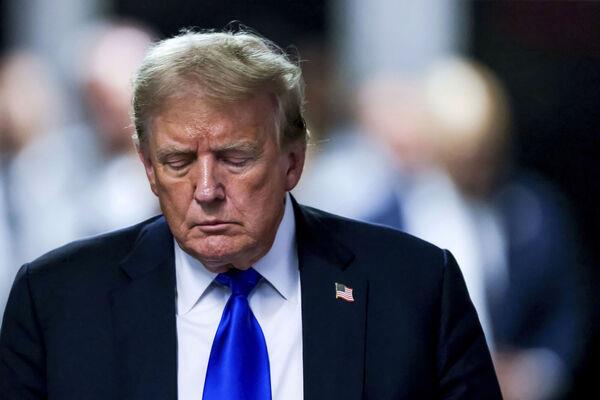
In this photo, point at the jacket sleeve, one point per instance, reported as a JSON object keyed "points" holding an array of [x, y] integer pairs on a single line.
{"points": [[22, 360], [464, 363]]}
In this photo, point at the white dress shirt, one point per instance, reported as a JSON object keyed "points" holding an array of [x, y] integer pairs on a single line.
{"points": [[275, 301]]}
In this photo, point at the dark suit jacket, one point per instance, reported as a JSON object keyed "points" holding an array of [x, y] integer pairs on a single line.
{"points": [[96, 319]]}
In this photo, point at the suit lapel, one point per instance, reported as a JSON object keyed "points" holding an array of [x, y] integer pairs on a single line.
{"points": [[144, 318], [333, 330]]}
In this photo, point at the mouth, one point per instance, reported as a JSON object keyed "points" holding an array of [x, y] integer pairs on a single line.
{"points": [[214, 226]]}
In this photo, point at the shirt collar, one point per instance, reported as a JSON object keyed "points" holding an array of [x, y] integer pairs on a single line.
{"points": [[193, 279], [279, 266]]}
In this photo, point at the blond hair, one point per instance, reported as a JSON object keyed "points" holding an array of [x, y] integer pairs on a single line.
{"points": [[227, 67]]}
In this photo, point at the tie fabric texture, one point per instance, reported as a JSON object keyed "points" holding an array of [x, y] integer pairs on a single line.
{"points": [[238, 367]]}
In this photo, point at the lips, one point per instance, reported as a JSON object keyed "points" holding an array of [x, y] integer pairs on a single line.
{"points": [[213, 222], [214, 225]]}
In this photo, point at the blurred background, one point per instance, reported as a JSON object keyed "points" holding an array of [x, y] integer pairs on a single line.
{"points": [[474, 125]]}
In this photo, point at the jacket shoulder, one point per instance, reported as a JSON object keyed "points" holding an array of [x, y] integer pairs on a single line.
{"points": [[358, 235], [379, 253], [104, 249]]}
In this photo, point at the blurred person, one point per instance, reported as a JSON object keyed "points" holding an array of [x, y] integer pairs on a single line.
{"points": [[30, 104], [338, 156], [118, 195], [88, 167], [526, 232], [237, 291], [392, 110], [30, 100], [346, 174], [509, 229]]}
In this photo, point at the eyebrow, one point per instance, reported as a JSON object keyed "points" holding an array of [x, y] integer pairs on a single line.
{"points": [[249, 147], [246, 147], [167, 151]]}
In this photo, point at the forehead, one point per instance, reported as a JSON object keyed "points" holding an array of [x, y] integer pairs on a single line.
{"points": [[196, 116]]}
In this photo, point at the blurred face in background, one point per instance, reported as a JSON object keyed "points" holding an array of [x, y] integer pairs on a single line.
{"points": [[30, 100], [221, 176], [109, 63], [391, 110], [469, 118]]}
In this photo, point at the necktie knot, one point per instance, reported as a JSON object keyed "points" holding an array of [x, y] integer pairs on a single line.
{"points": [[241, 282]]}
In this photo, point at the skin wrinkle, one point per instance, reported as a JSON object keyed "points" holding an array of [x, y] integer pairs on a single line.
{"points": [[223, 165]]}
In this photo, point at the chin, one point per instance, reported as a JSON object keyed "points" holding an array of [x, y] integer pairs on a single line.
{"points": [[217, 251]]}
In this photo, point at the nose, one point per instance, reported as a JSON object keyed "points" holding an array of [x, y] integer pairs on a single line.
{"points": [[208, 186]]}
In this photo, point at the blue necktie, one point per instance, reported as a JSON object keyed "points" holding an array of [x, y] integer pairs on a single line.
{"points": [[238, 367]]}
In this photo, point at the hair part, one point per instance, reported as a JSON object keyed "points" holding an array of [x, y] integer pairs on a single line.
{"points": [[224, 67]]}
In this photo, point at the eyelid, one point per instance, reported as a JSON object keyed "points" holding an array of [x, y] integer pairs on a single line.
{"points": [[177, 167], [177, 161], [236, 161]]}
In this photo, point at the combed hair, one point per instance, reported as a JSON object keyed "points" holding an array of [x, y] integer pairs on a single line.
{"points": [[225, 67]]}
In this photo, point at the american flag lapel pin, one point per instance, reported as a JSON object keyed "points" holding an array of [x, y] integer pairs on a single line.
{"points": [[343, 292]]}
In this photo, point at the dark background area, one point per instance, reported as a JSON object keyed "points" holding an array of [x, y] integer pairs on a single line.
{"points": [[284, 22], [548, 55]]}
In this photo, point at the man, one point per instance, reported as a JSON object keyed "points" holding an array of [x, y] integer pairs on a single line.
{"points": [[238, 292]]}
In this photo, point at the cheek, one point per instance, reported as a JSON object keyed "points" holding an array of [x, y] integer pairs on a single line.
{"points": [[175, 195], [256, 189], [259, 202]]}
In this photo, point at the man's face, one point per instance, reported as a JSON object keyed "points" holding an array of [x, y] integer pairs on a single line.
{"points": [[221, 177]]}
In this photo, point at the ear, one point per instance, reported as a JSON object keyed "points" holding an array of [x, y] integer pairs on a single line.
{"points": [[144, 155], [295, 154]]}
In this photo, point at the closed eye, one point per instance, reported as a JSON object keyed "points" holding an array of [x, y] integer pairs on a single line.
{"points": [[178, 165], [236, 159], [236, 162], [177, 162]]}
